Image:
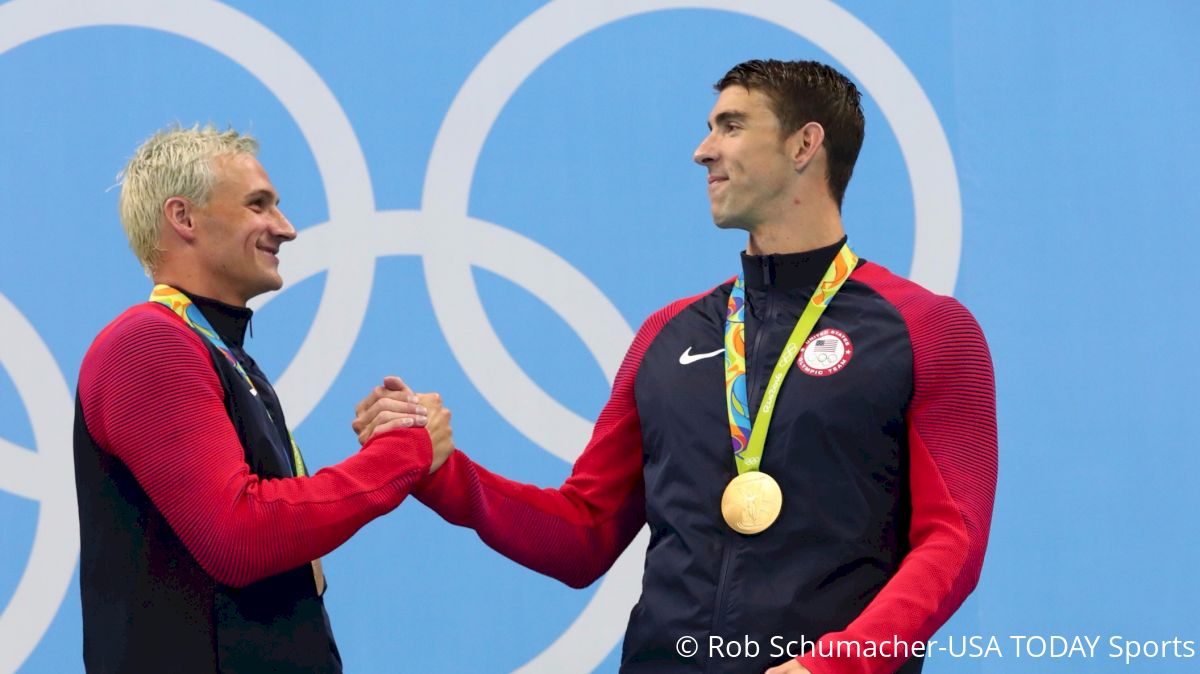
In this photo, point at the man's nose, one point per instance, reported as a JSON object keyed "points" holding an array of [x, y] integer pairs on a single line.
{"points": [[705, 154], [283, 228]]}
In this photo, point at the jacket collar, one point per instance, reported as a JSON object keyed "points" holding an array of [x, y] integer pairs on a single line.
{"points": [[229, 321], [788, 271]]}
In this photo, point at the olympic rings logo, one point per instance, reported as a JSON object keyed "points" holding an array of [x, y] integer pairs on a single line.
{"points": [[450, 243]]}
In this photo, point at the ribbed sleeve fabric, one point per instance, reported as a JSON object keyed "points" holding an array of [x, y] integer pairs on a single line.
{"points": [[576, 532], [151, 398], [952, 476]]}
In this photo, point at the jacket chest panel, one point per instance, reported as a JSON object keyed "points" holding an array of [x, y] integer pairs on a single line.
{"points": [[838, 433]]}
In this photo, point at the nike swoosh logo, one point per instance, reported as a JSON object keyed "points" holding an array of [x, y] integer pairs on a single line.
{"points": [[687, 357]]}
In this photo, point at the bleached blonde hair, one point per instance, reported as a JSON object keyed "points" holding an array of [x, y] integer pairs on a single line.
{"points": [[175, 162]]}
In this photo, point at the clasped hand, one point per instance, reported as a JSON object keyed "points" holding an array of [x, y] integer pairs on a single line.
{"points": [[394, 405]]}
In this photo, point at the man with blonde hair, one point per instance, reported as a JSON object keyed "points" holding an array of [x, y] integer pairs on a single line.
{"points": [[201, 528]]}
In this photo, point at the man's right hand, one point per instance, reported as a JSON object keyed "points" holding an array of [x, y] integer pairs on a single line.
{"points": [[394, 405], [440, 432], [395, 402]]}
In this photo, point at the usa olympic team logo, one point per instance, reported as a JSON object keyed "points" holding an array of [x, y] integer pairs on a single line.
{"points": [[825, 353], [450, 243]]}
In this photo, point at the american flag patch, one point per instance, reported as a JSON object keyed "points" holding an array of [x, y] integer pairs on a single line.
{"points": [[825, 345], [825, 353]]}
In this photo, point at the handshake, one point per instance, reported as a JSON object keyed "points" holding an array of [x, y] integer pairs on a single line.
{"points": [[394, 405]]}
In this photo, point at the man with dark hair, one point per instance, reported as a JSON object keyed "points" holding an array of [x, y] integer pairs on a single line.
{"points": [[806, 91], [201, 529], [823, 491]]}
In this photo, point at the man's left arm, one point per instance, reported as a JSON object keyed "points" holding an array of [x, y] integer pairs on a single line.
{"points": [[952, 474]]}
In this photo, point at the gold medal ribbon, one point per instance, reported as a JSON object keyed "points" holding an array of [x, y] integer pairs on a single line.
{"points": [[748, 454], [753, 500]]}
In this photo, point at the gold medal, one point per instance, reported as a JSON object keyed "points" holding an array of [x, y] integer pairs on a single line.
{"points": [[751, 502]]}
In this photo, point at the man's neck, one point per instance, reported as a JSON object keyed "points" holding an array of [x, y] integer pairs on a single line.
{"points": [[780, 237], [199, 284]]}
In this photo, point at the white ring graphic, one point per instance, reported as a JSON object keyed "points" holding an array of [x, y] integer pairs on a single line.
{"points": [[438, 231], [452, 162], [318, 116], [48, 477]]}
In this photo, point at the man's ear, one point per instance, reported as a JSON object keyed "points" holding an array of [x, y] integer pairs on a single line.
{"points": [[178, 212], [805, 143]]}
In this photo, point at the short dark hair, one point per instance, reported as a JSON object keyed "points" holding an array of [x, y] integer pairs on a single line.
{"points": [[807, 91]]}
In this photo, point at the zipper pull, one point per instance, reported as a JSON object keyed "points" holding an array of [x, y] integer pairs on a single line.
{"points": [[768, 270]]}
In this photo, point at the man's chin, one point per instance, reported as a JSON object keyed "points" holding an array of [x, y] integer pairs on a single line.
{"points": [[728, 223], [268, 285]]}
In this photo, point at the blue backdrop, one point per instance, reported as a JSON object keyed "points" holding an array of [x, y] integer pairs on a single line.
{"points": [[492, 196]]}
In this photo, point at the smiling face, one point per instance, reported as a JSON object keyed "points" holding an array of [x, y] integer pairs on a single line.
{"points": [[239, 231], [750, 170]]}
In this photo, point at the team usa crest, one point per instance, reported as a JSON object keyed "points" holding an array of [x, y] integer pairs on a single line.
{"points": [[825, 353]]}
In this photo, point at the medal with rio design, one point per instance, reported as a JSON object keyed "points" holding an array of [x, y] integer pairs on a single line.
{"points": [[753, 500]]}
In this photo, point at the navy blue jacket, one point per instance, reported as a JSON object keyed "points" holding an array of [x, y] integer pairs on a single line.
{"points": [[883, 442]]}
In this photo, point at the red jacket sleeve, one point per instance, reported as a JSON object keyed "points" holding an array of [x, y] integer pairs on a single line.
{"points": [[151, 397], [952, 474], [573, 533]]}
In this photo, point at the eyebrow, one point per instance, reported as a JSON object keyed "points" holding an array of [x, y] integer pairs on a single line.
{"points": [[728, 116]]}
